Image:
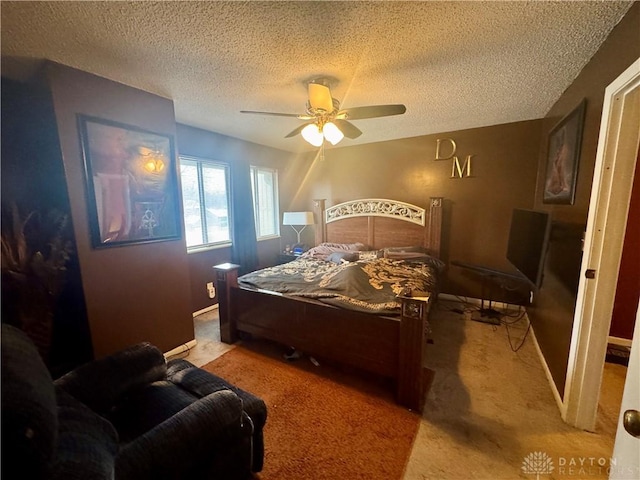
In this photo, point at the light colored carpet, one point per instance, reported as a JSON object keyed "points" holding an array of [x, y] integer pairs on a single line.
{"points": [[488, 407]]}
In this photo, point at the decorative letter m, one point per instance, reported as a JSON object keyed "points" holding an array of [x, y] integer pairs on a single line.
{"points": [[458, 171]]}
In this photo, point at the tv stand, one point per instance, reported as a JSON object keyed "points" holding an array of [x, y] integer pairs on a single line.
{"points": [[489, 314], [488, 272]]}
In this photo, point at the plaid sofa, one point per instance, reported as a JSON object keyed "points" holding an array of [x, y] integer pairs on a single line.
{"points": [[128, 416]]}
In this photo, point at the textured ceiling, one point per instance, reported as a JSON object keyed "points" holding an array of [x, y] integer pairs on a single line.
{"points": [[455, 65]]}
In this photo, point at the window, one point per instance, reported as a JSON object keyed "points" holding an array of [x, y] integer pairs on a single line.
{"points": [[264, 186], [205, 201]]}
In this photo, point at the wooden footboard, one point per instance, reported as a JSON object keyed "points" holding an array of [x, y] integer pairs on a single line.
{"points": [[393, 347]]}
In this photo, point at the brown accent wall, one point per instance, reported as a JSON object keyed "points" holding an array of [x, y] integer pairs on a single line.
{"points": [[477, 209], [552, 317], [205, 144], [32, 162], [132, 293]]}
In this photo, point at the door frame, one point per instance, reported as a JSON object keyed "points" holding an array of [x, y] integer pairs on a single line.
{"points": [[606, 224]]}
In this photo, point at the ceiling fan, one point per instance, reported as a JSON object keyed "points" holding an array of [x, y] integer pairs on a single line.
{"points": [[325, 120]]}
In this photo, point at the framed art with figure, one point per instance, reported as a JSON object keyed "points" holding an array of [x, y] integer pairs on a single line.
{"points": [[131, 181], [565, 140]]}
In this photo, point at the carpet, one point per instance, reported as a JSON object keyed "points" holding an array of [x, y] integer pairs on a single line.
{"points": [[323, 422]]}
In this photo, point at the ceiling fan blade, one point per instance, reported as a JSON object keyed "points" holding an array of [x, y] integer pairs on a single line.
{"points": [[348, 128], [296, 115], [320, 97], [297, 130], [371, 111]]}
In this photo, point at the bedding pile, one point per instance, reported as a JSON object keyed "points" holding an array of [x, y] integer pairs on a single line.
{"points": [[353, 279]]}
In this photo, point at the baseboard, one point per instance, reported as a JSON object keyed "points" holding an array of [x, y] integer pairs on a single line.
{"points": [[185, 347], [623, 342], [205, 310], [545, 367]]}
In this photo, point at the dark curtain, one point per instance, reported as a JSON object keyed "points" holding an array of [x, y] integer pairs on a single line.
{"points": [[244, 250]]}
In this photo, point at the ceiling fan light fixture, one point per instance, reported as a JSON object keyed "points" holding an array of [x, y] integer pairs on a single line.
{"points": [[324, 119], [312, 134], [332, 133]]}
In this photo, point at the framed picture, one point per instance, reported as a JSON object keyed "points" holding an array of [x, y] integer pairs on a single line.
{"points": [[565, 140], [131, 180]]}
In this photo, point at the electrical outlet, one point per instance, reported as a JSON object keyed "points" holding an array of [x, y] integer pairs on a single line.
{"points": [[211, 290]]}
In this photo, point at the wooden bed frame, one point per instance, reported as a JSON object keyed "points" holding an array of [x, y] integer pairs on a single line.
{"points": [[389, 346]]}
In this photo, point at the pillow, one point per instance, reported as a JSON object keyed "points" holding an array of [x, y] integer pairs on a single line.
{"points": [[343, 257], [323, 250], [414, 254], [344, 246], [410, 248]]}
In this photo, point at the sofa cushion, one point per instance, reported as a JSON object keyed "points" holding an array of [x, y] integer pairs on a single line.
{"points": [[147, 407], [101, 384], [182, 443]]}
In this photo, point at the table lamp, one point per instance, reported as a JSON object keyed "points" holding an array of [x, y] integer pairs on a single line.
{"points": [[294, 219]]}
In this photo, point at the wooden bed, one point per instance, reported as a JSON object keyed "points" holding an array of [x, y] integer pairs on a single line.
{"points": [[390, 346]]}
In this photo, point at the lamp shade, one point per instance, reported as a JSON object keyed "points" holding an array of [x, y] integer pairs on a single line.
{"points": [[312, 134], [297, 218], [332, 133]]}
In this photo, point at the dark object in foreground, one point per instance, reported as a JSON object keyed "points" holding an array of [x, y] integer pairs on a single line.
{"points": [[130, 413]]}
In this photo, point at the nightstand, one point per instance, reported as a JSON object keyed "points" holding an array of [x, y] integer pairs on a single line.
{"points": [[286, 257]]}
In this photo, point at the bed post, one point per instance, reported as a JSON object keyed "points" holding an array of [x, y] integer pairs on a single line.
{"points": [[226, 277], [321, 228], [413, 377], [434, 230]]}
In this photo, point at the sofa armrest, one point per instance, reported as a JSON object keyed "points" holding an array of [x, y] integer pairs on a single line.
{"points": [[201, 382], [101, 383], [185, 440]]}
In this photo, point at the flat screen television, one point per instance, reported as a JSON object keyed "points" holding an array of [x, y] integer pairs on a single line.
{"points": [[528, 243]]}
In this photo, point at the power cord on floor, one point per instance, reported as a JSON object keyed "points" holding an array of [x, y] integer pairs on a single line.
{"points": [[526, 334], [515, 317], [181, 354], [468, 306]]}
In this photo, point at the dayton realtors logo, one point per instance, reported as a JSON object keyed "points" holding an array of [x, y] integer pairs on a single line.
{"points": [[537, 463]]}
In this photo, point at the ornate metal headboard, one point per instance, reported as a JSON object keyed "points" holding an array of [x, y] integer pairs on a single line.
{"points": [[377, 207]]}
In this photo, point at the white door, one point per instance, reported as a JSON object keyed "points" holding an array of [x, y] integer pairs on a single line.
{"points": [[606, 224], [625, 461]]}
